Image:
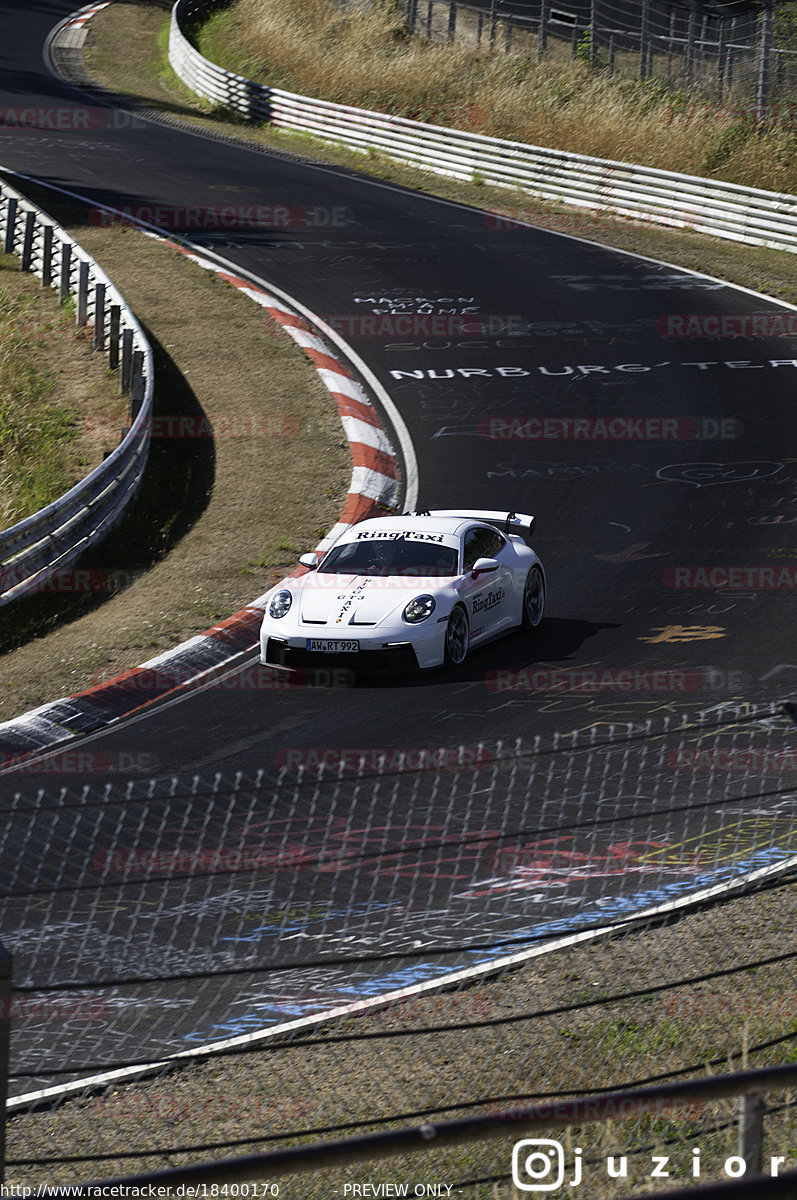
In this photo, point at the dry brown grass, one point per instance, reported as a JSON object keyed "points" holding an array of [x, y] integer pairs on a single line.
{"points": [[366, 58]]}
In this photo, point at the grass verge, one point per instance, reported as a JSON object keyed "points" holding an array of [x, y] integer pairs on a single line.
{"points": [[60, 408], [218, 518]]}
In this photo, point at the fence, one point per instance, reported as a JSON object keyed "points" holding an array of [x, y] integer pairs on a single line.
{"points": [[350, 941], [730, 59], [532, 1168], [57, 535], [726, 210]]}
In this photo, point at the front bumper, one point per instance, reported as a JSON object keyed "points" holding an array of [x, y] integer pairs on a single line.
{"points": [[370, 659]]}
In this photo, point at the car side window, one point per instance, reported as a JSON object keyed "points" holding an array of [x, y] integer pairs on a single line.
{"points": [[481, 542]]}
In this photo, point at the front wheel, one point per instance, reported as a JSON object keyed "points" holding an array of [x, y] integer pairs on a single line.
{"points": [[533, 599], [457, 637]]}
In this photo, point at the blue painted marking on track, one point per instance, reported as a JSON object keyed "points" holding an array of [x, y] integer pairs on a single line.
{"points": [[602, 912]]}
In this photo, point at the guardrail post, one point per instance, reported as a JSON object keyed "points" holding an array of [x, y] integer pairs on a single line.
{"points": [[127, 361], [452, 20], [66, 272], [542, 30], [643, 40], [47, 255], [11, 225], [493, 20], [99, 316], [5, 1030], [83, 292], [115, 313], [27, 241], [764, 48], [689, 48], [751, 1131], [137, 384]]}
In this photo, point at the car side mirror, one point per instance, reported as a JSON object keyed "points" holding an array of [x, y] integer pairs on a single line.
{"points": [[310, 560], [484, 566]]}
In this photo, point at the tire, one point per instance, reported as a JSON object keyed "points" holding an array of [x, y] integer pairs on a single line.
{"points": [[533, 599], [457, 637]]}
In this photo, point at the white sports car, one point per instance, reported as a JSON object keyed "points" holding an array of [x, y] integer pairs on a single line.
{"points": [[397, 593]]}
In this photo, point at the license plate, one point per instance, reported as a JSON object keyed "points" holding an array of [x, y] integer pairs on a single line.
{"points": [[332, 646]]}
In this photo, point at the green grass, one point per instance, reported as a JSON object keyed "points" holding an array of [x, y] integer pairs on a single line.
{"points": [[37, 434]]}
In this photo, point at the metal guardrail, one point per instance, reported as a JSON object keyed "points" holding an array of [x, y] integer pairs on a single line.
{"points": [[751, 215], [55, 536]]}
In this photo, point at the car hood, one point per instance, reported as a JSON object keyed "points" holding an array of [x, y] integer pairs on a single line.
{"points": [[342, 600]]}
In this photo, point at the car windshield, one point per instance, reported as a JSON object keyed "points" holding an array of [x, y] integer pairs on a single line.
{"points": [[391, 556]]}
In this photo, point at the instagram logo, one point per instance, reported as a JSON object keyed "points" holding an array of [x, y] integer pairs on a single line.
{"points": [[538, 1165]]}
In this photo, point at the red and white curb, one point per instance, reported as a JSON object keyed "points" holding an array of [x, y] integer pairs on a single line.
{"points": [[85, 14], [374, 483], [73, 27]]}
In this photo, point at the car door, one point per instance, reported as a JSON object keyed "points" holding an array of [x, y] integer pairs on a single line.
{"points": [[489, 598]]}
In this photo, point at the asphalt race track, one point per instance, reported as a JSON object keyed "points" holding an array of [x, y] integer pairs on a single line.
{"points": [[547, 328]]}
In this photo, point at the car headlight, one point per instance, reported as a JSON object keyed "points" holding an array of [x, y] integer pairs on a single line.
{"points": [[418, 609], [279, 604]]}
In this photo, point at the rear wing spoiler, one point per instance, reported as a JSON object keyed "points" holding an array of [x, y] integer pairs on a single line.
{"points": [[507, 522]]}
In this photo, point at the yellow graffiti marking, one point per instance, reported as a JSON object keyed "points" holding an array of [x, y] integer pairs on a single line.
{"points": [[685, 633]]}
